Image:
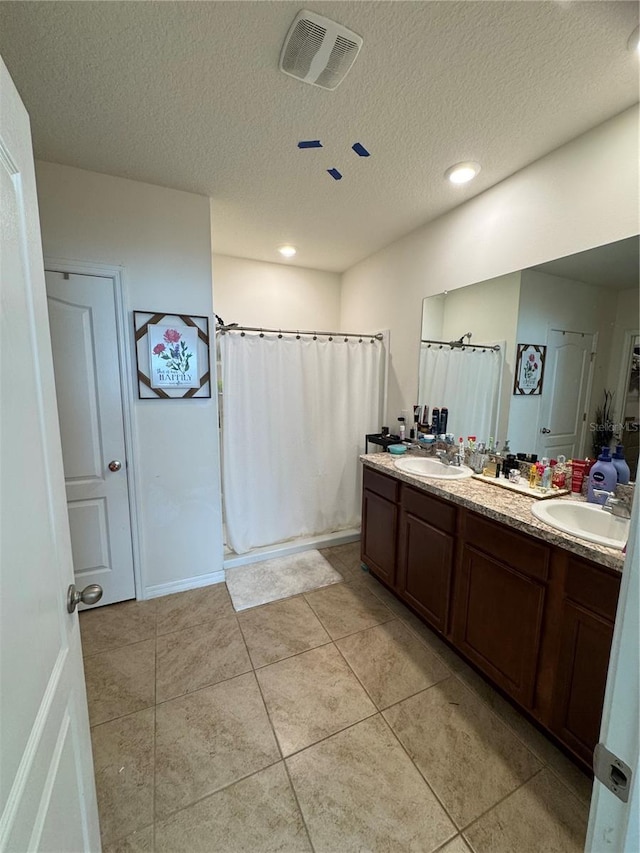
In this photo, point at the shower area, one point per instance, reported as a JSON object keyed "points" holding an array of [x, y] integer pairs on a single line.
{"points": [[294, 411]]}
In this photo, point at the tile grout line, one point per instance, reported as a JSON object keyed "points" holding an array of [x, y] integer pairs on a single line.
{"points": [[423, 777], [295, 796], [209, 794], [544, 761], [505, 722], [475, 820]]}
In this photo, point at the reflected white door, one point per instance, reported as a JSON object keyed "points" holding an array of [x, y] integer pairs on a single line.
{"points": [[565, 393], [85, 358], [47, 792]]}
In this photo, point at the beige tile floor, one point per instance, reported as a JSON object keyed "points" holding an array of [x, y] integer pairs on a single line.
{"points": [[330, 722]]}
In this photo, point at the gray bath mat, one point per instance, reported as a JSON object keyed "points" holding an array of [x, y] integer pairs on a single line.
{"points": [[279, 577]]}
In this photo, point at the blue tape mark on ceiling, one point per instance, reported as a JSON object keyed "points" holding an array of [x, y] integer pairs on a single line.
{"points": [[310, 143], [360, 150], [335, 174]]}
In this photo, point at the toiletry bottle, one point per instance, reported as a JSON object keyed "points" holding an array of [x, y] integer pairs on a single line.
{"points": [[621, 466], [444, 417], [435, 420], [401, 430], [533, 474], [603, 475], [559, 477], [546, 478]]}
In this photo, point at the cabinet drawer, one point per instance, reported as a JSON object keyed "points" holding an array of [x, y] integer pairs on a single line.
{"points": [[435, 512], [382, 485], [517, 550], [592, 587]]}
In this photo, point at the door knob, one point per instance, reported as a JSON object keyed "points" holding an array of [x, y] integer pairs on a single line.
{"points": [[89, 595], [544, 431], [115, 465]]}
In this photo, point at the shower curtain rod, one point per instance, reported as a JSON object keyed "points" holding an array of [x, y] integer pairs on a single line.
{"points": [[460, 345], [234, 327]]}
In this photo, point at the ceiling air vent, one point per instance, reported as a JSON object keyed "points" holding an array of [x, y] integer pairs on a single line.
{"points": [[318, 51]]}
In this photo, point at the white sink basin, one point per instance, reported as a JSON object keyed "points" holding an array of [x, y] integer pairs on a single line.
{"points": [[432, 468], [586, 521]]}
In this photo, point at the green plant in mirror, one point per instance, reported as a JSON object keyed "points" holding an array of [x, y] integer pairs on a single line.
{"points": [[602, 426]]}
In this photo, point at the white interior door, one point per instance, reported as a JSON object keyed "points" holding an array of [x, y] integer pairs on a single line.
{"points": [[47, 792], [84, 338], [565, 391]]}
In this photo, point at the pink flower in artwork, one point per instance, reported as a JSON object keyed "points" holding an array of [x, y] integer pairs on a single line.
{"points": [[535, 366], [531, 357], [158, 348], [171, 336]]}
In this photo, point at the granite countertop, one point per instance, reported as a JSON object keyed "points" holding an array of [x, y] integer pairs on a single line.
{"points": [[500, 504]]}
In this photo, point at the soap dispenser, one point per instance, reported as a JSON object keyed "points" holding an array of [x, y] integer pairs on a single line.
{"points": [[620, 464], [603, 476]]}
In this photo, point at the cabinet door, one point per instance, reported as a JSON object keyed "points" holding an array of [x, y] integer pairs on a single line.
{"points": [[379, 529], [425, 570], [498, 619], [581, 678]]}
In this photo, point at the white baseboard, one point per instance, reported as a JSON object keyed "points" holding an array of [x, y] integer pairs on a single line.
{"points": [[180, 586], [325, 540]]}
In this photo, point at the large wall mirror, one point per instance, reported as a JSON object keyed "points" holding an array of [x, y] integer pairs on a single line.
{"points": [[575, 386]]}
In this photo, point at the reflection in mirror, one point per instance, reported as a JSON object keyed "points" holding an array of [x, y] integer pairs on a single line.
{"points": [[584, 309]]}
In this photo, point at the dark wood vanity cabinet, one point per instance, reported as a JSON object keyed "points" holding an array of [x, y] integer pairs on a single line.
{"points": [[380, 512], [588, 614], [425, 556], [534, 618], [500, 599]]}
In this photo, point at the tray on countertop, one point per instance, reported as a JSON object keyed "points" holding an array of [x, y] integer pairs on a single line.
{"points": [[522, 488]]}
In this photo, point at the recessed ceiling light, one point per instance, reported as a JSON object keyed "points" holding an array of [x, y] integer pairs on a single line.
{"points": [[287, 251], [634, 40], [462, 172]]}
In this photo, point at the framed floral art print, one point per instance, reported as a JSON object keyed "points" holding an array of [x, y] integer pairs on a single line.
{"points": [[172, 352], [529, 369]]}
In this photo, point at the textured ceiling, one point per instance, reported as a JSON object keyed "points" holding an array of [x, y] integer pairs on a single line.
{"points": [[189, 95]]}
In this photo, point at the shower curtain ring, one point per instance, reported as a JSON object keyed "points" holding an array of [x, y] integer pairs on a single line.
{"points": [[279, 333]]}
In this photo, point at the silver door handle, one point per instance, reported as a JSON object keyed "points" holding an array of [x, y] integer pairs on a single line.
{"points": [[115, 465], [545, 431], [89, 595]]}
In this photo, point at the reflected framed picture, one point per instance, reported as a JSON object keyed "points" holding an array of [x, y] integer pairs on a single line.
{"points": [[172, 353], [529, 369]]}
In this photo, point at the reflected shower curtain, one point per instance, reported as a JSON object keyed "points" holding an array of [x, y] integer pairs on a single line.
{"points": [[467, 382], [295, 414]]}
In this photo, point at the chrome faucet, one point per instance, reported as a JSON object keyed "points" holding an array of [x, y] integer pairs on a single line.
{"points": [[616, 506], [444, 449]]}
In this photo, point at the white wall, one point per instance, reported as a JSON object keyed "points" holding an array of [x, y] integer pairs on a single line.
{"points": [[254, 293], [489, 311], [570, 305], [627, 320], [582, 195], [162, 240]]}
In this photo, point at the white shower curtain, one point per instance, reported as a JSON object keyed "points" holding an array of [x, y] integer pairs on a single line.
{"points": [[467, 382], [295, 414]]}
